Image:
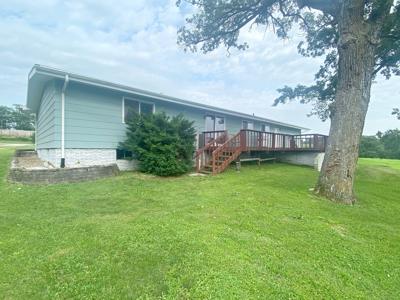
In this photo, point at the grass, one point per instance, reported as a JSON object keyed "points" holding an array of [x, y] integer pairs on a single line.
{"points": [[15, 140], [259, 233]]}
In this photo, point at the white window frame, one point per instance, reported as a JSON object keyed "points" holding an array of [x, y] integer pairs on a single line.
{"points": [[252, 122], [266, 126], [137, 100], [215, 120]]}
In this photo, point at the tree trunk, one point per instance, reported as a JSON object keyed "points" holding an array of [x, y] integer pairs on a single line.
{"points": [[355, 72]]}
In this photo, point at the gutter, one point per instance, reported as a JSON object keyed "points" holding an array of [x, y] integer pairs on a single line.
{"points": [[62, 163]]}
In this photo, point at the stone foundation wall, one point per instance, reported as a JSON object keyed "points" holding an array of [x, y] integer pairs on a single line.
{"points": [[48, 176], [78, 157], [127, 165]]}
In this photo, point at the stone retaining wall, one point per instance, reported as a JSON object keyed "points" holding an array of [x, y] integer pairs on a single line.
{"points": [[48, 176]]}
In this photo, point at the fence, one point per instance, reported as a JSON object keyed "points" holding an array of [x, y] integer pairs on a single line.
{"points": [[16, 133]]}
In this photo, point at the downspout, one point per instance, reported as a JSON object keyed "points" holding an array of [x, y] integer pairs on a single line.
{"points": [[62, 164], [36, 128]]}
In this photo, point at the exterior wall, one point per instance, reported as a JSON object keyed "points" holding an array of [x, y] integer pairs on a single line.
{"points": [[48, 122], [93, 117], [79, 157], [94, 123], [232, 123], [127, 165], [312, 159]]}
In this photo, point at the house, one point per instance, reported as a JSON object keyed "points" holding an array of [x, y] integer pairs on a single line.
{"points": [[80, 121]]}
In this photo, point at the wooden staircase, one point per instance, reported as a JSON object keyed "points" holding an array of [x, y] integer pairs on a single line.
{"points": [[218, 154]]}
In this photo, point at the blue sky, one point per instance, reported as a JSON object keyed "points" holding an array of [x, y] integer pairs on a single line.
{"points": [[134, 43]]}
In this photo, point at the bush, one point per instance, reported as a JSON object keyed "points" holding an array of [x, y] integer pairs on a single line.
{"points": [[382, 145], [371, 146], [163, 146]]}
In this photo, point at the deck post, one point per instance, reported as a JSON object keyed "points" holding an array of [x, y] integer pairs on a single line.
{"points": [[273, 141], [315, 142], [243, 139]]}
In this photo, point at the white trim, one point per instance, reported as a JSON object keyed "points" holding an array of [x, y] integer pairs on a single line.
{"points": [[63, 116], [123, 110], [215, 121], [138, 101], [248, 122], [36, 133], [265, 127], [62, 125]]}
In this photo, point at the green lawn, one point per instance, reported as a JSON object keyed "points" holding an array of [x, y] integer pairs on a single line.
{"points": [[259, 233], [15, 140]]}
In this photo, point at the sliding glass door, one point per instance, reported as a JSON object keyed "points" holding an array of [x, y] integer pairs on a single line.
{"points": [[214, 123]]}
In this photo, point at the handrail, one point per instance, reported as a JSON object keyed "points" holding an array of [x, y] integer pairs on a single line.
{"points": [[236, 152], [213, 131], [224, 144], [254, 140], [212, 142]]}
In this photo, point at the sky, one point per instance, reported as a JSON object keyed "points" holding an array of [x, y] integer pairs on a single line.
{"points": [[133, 42]]}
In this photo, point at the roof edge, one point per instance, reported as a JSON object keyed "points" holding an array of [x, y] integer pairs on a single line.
{"points": [[50, 71]]}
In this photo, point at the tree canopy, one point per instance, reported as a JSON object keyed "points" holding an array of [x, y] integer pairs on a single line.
{"points": [[218, 23], [16, 117], [396, 112]]}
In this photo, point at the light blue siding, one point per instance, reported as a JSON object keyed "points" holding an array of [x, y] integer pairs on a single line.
{"points": [[232, 123], [93, 117], [47, 122]]}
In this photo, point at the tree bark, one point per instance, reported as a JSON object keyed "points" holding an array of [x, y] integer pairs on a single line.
{"points": [[355, 73]]}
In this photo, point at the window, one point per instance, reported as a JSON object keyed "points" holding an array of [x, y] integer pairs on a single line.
{"points": [[210, 123], [248, 125], [265, 128], [219, 123], [131, 107], [214, 123], [146, 108], [124, 154]]}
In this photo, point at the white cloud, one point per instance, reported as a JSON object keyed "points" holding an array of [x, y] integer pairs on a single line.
{"points": [[134, 43]]}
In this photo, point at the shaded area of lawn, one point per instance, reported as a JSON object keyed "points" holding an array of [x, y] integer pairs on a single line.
{"points": [[257, 233], [16, 142]]}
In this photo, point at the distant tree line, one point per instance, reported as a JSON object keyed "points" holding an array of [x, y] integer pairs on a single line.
{"points": [[16, 117], [381, 145]]}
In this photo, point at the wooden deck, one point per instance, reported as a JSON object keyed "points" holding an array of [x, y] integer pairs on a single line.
{"points": [[253, 140], [217, 149]]}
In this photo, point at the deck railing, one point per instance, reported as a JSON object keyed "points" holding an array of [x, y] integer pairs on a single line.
{"points": [[270, 141], [218, 151], [206, 136], [213, 141], [226, 153]]}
